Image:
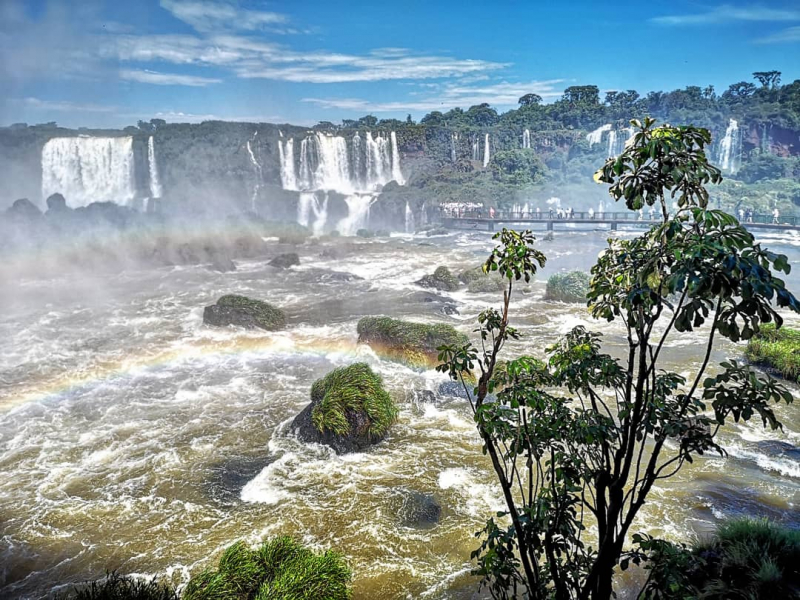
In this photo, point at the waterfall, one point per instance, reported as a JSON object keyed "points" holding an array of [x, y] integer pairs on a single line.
{"points": [[358, 162], [155, 182], [357, 167], [257, 168], [313, 213], [453, 142], [89, 169], [486, 156], [357, 214], [476, 149], [409, 219], [397, 175], [596, 136], [288, 174], [526, 138], [729, 153]]}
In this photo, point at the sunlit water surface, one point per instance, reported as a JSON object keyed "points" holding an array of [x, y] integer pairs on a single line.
{"points": [[132, 437]]}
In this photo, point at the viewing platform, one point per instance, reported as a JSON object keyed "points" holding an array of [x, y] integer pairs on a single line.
{"points": [[615, 220]]}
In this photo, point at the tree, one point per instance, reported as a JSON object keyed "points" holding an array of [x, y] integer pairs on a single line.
{"points": [[582, 94], [156, 123], [768, 79], [584, 436], [743, 89], [368, 121], [530, 100], [519, 167], [145, 126]]}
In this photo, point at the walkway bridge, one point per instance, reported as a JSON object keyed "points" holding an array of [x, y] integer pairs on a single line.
{"points": [[478, 220]]}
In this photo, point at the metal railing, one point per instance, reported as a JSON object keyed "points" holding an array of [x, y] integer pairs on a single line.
{"points": [[544, 217]]}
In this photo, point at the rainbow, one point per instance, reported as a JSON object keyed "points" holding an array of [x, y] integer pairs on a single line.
{"points": [[69, 383]]}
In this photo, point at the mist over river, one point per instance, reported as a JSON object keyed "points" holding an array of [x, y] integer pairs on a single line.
{"points": [[133, 437]]}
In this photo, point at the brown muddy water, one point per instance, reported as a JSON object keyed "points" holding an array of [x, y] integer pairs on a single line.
{"points": [[132, 437]]}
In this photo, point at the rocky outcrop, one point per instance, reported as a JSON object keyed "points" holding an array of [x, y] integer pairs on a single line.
{"points": [[414, 344], [244, 312], [442, 279], [417, 509], [349, 410], [568, 287], [285, 261]]}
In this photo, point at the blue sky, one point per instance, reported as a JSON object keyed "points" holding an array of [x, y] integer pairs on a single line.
{"points": [[110, 63]]}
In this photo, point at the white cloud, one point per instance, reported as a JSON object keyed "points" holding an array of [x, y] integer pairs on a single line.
{"points": [[63, 105], [452, 96], [726, 13], [166, 78], [207, 16], [788, 35], [250, 58]]}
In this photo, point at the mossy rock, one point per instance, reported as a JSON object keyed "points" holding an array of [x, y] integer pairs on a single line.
{"points": [[568, 287], [280, 569], [244, 312], [777, 350], [479, 282], [411, 343], [349, 410], [442, 279], [365, 233], [285, 260]]}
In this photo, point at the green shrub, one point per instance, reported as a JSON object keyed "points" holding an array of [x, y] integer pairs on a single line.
{"points": [[747, 558], [280, 569], [568, 287], [121, 587], [414, 344], [776, 348], [268, 316], [350, 390], [365, 233]]}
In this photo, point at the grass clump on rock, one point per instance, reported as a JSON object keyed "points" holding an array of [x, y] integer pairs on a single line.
{"points": [[568, 287], [351, 401], [442, 279], [746, 558], [778, 349], [280, 569], [244, 312], [121, 587], [414, 344]]}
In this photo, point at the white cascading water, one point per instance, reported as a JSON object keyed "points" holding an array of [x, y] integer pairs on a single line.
{"points": [[409, 219], [486, 156], [730, 148], [311, 212], [453, 143], [596, 136], [526, 138], [257, 168], [89, 169], [288, 175], [397, 175], [476, 149], [357, 214], [328, 163], [155, 181]]}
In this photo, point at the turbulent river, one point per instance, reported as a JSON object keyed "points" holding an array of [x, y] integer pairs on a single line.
{"points": [[133, 437]]}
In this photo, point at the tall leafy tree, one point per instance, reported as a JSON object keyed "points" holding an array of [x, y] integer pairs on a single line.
{"points": [[580, 439]]}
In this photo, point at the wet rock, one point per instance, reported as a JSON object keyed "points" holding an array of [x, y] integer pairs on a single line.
{"points": [[417, 509], [56, 203], [244, 312], [24, 209], [349, 410], [779, 449], [421, 396], [286, 260], [442, 279], [414, 344], [222, 264]]}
